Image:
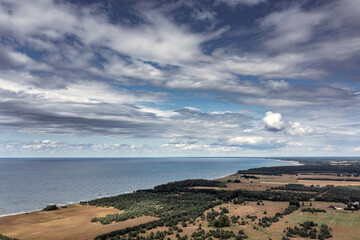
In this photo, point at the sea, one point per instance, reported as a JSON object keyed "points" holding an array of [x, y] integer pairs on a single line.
{"points": [[31, 184]]}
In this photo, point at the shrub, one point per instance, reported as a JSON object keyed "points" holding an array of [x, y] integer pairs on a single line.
{"points": [[50, 208]]}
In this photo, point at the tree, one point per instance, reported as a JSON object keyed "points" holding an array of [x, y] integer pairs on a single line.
{"points": [[222, 221]]}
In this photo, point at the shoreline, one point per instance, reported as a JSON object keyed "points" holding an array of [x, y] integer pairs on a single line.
{"points": [[69, 203]]}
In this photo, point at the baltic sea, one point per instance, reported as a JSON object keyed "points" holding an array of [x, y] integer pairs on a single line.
{"points": [[31, 184]]}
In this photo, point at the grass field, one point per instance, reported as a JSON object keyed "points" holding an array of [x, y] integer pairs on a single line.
{"points": [[268, 181]]}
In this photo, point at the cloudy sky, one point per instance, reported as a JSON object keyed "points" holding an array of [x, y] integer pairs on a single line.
{"points": [[179, 78]]}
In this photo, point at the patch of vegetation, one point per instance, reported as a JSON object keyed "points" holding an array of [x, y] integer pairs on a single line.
{"points": [[249, 176], [171, 208], [308, 230], [251, 217], [179, 185], [220, 234], [220, 222], [344, 194], [217, 219], [320, 168], [50, 208], [302, 188], [267, 221], [313, 210], [3, 237]]}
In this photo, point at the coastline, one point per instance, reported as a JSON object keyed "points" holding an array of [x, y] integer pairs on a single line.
{"points": [[126, 192], [76, 220]]}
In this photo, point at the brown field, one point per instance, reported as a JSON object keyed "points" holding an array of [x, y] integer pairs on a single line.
{"points": [[326, 176], [265, 182], [324, 183], [340, 162], [72, 223], [268, 181]]}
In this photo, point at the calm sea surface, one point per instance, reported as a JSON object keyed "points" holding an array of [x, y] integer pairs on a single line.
{"points": [[31, 184]]}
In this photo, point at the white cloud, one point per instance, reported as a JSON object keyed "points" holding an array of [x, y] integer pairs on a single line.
{"points": [[250, 140], [156, 40], [41, 145], [193, 109], [295, 128], [357, 149], [291, 26], [273, 121], [158, 112], [80, 92], [203, 15], [277, 85], [295, 144]]}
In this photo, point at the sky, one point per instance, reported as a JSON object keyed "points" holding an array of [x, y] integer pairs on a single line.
{"points": [[179, 78]]}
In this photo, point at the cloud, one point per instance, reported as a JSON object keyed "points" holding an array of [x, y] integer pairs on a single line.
{"points": [[273, 121], [295, 128], [357, 149], [156, 39], [277, 85], [246, 141], [291, 26], [81, 69], [203, 15], [10, 58], [42, 145], [93, 119], [233, 3]]}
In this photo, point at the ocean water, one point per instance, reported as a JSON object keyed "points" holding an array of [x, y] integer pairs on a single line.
{"points": [[31, 184]]}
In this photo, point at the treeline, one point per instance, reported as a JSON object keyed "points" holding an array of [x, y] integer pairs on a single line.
{"points": [[342, 194], [3, 237], [351, 169], [179, 185], [321, 160], [313, 210], [249, 176], [200, 234], [117, 233], [302, 188]]}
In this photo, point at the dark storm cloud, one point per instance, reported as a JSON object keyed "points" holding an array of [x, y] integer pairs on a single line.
{"points": [[27, 118]]}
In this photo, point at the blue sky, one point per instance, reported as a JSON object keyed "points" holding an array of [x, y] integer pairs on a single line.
{"points": [[179, 78]]}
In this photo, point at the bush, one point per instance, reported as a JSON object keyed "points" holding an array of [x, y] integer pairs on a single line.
{"points": [[222, 221], [50, 208]]}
